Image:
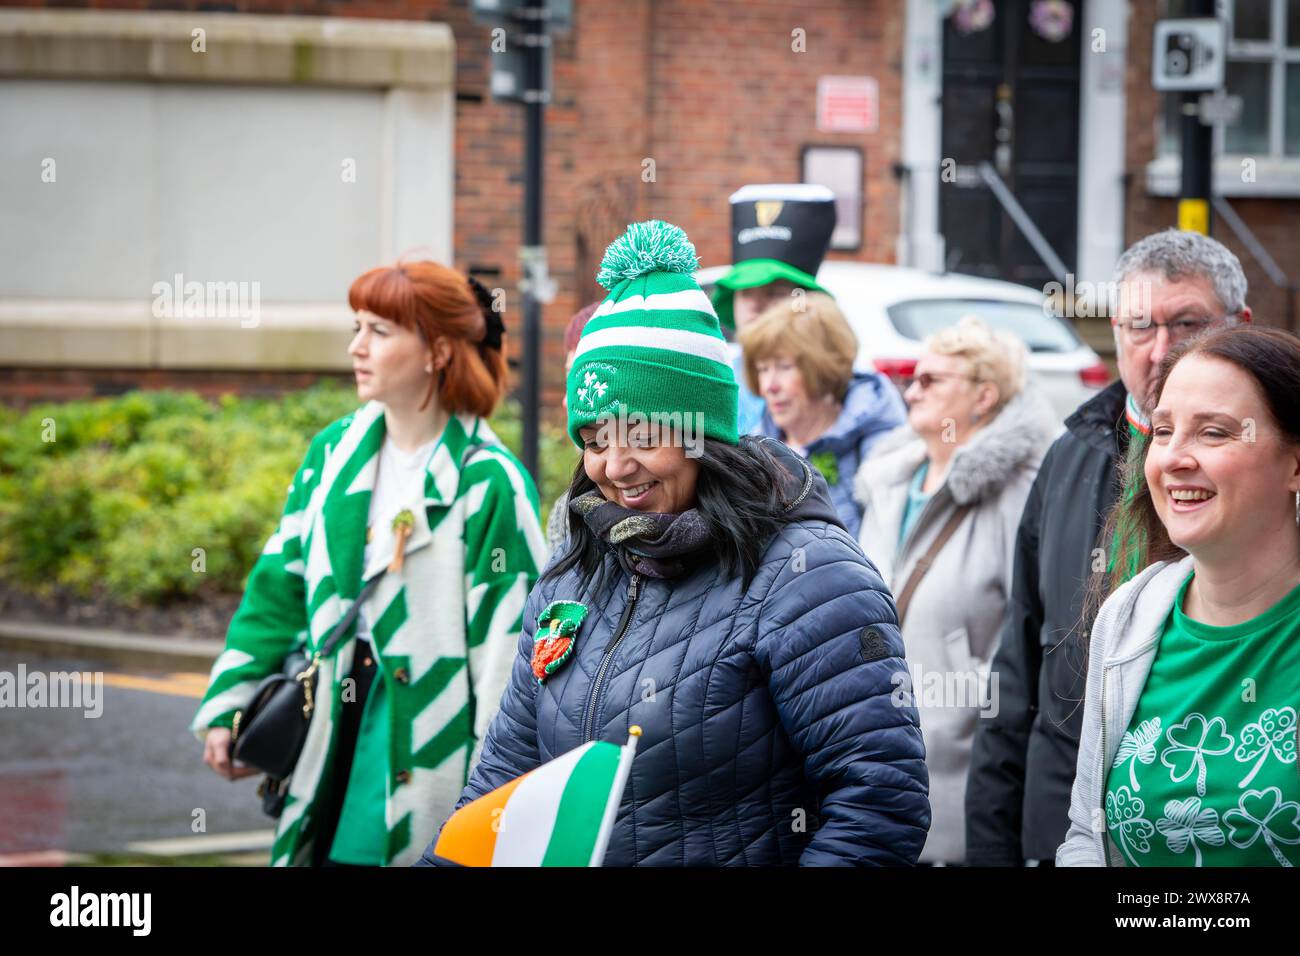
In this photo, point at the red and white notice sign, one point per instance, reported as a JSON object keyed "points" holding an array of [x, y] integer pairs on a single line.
{"points": [[848, 104]]}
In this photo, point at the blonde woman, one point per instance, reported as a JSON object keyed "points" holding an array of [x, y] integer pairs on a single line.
{"points": [[949, 487], [798, 358]]}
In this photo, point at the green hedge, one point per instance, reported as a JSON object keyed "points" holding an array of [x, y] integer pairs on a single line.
{"points": [[111, 497]]}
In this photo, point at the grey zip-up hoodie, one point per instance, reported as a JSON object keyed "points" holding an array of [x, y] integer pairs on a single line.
{"points": [[1124, 641]]}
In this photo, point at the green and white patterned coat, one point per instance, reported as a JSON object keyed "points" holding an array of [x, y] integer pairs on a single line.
{"points": [[446, 627]]}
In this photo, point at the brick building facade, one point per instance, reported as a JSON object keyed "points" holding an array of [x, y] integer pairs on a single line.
{"points": [[1267, 205], [660, 109], [708, 96]]}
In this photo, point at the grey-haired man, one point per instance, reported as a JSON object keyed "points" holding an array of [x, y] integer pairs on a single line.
{"points": [[1171, 285]]}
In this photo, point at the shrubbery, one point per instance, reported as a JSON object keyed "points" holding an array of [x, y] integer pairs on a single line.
{"points": [[118, 502]]}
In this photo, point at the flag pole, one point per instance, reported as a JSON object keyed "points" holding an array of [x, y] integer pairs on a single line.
{"points": [[615, 795]]}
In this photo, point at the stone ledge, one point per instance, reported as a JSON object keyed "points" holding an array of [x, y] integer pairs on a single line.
{"points": [[240, 48], [85, 333]]}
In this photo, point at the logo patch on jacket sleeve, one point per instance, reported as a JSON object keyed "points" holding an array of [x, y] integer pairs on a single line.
{"points": [[874, 646], [556, 635]]}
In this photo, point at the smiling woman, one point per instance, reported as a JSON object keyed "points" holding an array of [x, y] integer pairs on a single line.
{"points": [[1200, 653], [649, 470], [725, 611], [1215, 477]]}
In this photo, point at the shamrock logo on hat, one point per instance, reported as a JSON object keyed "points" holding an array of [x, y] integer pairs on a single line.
{"points": [[594, 389]]}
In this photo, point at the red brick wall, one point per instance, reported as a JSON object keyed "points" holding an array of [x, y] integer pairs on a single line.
{"points": [[710, 90], [1271, 219]]}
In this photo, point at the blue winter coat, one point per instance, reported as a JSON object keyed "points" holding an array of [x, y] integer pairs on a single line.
{"points": [[773, 733], [872, 408]]}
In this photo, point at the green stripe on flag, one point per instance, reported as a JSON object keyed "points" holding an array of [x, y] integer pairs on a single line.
{"points": [[582, 807]]}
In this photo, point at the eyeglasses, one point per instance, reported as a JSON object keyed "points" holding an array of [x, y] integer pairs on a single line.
{"points": [[926, 379], [1141, 332]]}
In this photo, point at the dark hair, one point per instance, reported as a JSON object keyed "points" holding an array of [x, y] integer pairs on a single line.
{"points": [[738, 492], [1271, 358]]}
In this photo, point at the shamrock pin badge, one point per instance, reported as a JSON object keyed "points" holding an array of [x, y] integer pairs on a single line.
{"points": [[403, 525], [557, 631]]}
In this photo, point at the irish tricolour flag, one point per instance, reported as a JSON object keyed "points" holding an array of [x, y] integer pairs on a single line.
{"points": [[560, 814]]}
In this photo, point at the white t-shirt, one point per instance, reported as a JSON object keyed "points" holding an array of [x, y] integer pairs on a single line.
{"points": [[399, 486]]}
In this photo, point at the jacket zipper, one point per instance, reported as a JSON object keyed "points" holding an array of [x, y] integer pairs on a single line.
{"points": [[1101, 773], [590, 718]]}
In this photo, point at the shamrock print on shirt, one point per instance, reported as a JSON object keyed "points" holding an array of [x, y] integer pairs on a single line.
{"points": [[1124, 815], [1186, 823], [1190, 742], [1262, 814], [1139, 745], [1274, 733]]}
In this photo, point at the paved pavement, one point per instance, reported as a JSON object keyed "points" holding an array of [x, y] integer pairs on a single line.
{"points": [[75, 788]]}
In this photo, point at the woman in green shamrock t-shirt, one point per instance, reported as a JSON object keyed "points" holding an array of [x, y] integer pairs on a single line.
{"points": [[1188, 750]]}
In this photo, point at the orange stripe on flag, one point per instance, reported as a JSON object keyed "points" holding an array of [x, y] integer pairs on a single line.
{"points": [[470, 834]]}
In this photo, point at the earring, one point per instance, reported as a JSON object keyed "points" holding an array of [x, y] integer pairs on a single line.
{"points": [[428, 369], [1297, 507]]}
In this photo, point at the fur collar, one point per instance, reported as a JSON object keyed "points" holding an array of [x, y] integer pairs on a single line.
{"points": [[1018, 437]]}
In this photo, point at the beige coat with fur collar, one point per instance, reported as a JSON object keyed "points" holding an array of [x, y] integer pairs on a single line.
{"points": [[957, 612]]}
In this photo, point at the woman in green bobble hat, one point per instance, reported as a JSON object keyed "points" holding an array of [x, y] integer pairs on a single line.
{"points": [[707, 592]]}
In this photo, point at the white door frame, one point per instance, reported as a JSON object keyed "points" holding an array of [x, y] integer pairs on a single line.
{"points": [[1101, 138]]}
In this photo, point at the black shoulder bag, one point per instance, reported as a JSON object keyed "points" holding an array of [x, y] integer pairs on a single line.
{"points": [[270, 732]]}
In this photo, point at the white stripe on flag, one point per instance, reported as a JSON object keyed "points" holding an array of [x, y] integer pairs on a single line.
{"points": [[686, 300], [670, 340], [526, 824], [626, 753]]}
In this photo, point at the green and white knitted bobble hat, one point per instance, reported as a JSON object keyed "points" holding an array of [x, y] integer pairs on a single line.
{"points": [[654, 346]]}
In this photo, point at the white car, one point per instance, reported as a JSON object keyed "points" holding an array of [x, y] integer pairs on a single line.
{"points": [[892, 309]]}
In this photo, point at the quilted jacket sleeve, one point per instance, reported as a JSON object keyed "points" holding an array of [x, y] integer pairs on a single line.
{"points": [[828, 639]]}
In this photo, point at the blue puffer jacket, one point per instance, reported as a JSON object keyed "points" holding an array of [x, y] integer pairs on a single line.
{"points": [[771, 732]]}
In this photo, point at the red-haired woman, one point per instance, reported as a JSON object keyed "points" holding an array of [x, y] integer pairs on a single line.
{"points": [[414, 482]]}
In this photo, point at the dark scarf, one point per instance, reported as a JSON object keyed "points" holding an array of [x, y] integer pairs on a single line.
{"points": [[650, 543]]}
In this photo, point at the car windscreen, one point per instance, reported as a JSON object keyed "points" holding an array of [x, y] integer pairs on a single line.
{"points": [[918, 318]]}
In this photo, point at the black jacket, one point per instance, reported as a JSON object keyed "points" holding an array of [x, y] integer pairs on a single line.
{"points": [[1023, 760]]}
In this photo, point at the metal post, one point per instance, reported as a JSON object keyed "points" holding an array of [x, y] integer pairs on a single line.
{"points": [[534, 253], [1194, 208]]}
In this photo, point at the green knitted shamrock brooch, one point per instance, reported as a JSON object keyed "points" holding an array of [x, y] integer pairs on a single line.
{"points": [[557, 632], [824, 461]]}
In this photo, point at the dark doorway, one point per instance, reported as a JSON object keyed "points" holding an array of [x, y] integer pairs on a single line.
{"points": [[1010, 98]]}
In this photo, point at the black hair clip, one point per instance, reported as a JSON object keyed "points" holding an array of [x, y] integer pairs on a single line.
{"points": [[496, 326]]}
